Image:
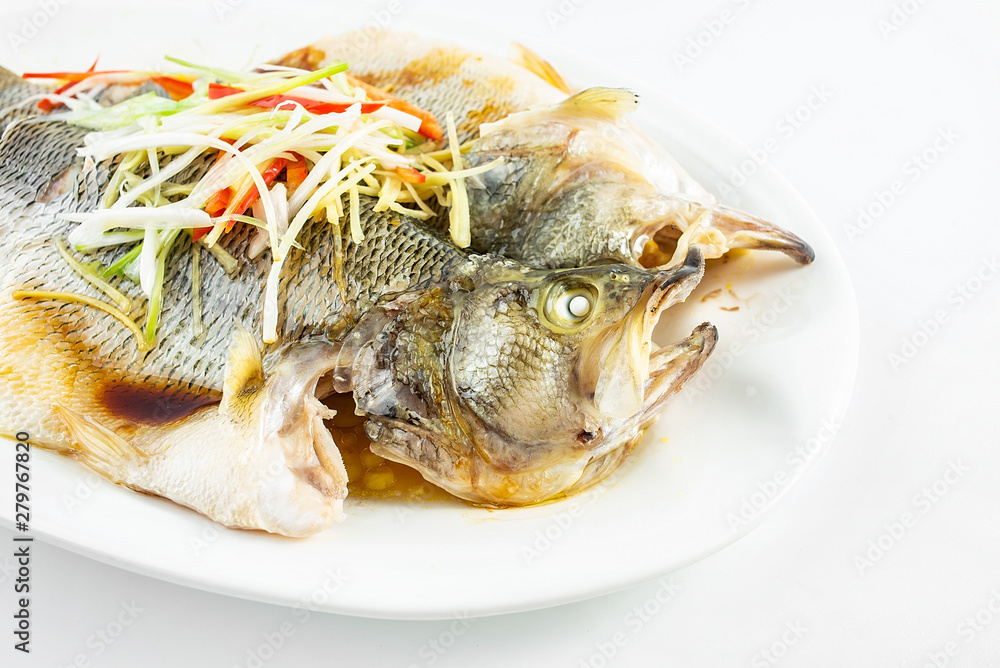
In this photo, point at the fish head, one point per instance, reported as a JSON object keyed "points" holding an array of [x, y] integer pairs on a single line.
{"points": [[529, 384], [580, 184]]}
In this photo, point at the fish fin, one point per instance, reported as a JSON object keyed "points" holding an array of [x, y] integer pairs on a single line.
{"points": [[538, 66], [601, 103], [97, 446], [244, 370], [595, 104]]}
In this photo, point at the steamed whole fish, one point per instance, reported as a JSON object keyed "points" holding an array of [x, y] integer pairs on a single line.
{"points": [[501, 383], [579, 184]]}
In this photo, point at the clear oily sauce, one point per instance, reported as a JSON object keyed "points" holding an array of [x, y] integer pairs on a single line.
{"points": [[369, 475]]}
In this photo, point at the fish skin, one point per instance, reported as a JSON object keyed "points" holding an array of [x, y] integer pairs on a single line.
{"points": [[443, 351], [580, 184]]}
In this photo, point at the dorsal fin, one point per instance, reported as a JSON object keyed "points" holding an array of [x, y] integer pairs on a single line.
{"points": [[244, 369], [537, 65], [602, 103]]}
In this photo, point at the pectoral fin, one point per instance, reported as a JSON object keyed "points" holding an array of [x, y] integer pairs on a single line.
{"points": [[98, 447], [244, 372]]}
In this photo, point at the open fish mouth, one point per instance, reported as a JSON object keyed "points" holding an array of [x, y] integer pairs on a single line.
{"points": [[669, 367], [638, 376]]}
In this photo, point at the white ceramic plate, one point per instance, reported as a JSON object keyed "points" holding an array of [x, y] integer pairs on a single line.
{"points": [[759, 417]]}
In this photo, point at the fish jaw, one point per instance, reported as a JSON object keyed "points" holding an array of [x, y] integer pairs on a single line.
{"points": [[742, 230], [671, 367], [665, 227], [617, 367]]}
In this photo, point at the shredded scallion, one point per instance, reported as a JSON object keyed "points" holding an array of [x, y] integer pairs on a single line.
{"points": [[287, 145]]}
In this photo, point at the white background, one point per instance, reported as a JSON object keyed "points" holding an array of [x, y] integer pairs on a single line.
{"points": [[832, 577]]}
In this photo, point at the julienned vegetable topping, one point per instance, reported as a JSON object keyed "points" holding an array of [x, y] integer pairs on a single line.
{"points": [[288, 145]]}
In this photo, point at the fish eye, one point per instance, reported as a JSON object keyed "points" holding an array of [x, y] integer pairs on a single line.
{"points": [[570, 305]]}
